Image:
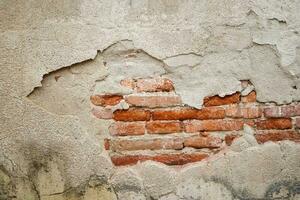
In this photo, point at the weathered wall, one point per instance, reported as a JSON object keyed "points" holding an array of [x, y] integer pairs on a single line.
{"points": [[56, 54]]}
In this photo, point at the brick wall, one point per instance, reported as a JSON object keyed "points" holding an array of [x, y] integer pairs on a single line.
{"points": [[157, 126]]}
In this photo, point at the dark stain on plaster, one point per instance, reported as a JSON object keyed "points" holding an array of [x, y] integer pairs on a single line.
{"points": [[275, 191], [282, 190]]}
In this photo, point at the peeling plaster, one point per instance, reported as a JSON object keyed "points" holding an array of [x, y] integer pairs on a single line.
{"points": [[204, 47]]}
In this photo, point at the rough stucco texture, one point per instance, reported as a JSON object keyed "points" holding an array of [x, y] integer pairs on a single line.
{"points": [[56, 54]]}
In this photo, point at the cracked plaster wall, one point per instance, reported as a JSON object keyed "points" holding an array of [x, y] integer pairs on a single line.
{"points": [[55, 54]]}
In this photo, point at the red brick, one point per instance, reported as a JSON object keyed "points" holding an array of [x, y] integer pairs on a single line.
{"points": [[169, 159], [251, 97], [277, 135], [154, 85], [102, 113], [229, 139], [282, 111], [179, 159], [278, 123], [127, 128], [213, 125], [203, 142], [153, 101], [297, 122], [132, 115], [163, 127], [106, 100], [144, 144], [218, 101], [188, 113], [106, 144], [242, 112]]}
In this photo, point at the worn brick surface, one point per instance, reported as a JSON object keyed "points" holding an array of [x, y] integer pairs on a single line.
{"points": [[163, 127], [154, 85], [278, 123], [153, 101], [277, 135], [217, 100], [282, 111], [106, 100], [241, 112], [213, 125], [102, 112], [203, 142], [188, 113], [132, 115], [169, 159], [127, 128]]}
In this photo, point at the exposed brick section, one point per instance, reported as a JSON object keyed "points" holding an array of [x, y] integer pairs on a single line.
{"points": [[239, 112], [250, 98], [144, 144], [218, 101], [203, 142], [213, 125], [132, 115], [102, 113], [169, 159], [163, 127], [127, 128], [188, 113], [158, 127], [154, 85], [277, 135], [280, 123], [297, 123], [282, 111], [153, 101], [106, 100]]}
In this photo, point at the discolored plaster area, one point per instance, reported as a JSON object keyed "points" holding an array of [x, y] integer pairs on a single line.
{"points": [[56, 54]]}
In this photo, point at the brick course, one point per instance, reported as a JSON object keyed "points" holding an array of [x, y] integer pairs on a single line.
{"points": [[169, 159], [282, 111], [280, 123], [213, 125], [163, 127], [203, 142], [144, 144], [132, 115], [188, 113]]}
